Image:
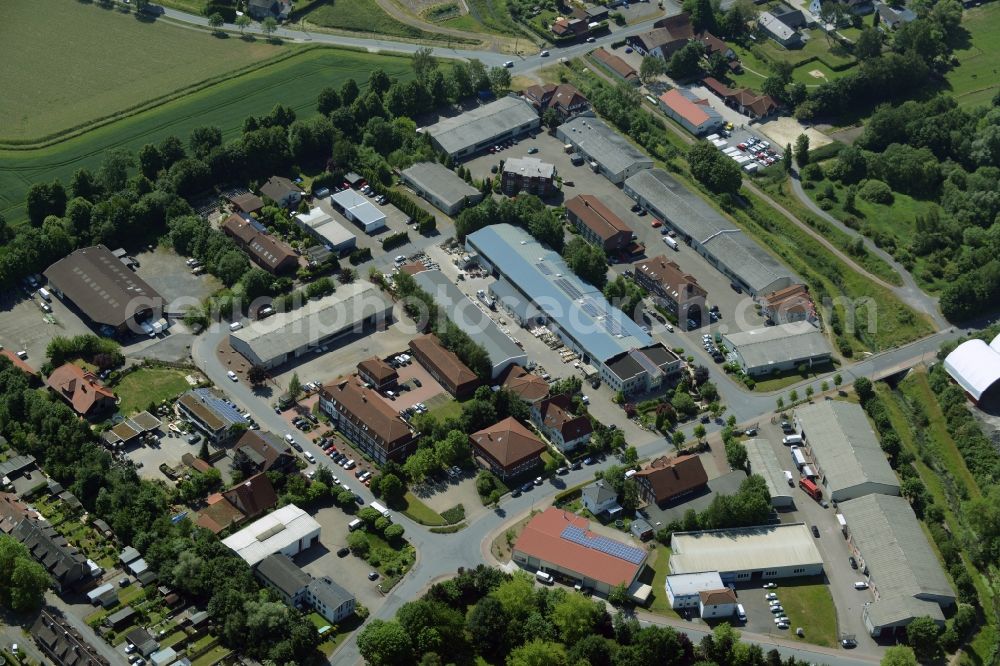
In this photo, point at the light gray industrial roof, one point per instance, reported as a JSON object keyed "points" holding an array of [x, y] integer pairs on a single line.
{"points": [[764, 463], [844, 445], [468, 316], [603, 144], [287, 331], [770, 345], [579, 309], [280, 571], [743, 549], [440, 181], [723, 239], [901, 563], [323, 224], [358, 206], [507, 296], [272, 533], [530, 167], [482, 124], [329, 593]]}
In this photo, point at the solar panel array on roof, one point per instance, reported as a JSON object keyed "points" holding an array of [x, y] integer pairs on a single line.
{"points": [[219, 406], [604, 545], [544, 268], [568, 287]]}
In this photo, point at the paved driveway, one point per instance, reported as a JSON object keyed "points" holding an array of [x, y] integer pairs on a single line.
{"points": [[23, 326]]}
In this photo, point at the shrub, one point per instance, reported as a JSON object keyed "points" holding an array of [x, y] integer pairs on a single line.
{"points": [[395, 240], [812, 172], [360, 256], [876, 191]]}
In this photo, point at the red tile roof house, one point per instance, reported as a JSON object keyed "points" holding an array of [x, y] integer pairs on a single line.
{"points": [[561, 543], [564, 98], [81, 389], [525, 385], [378, 373], [598, 224], [617, 66], [554, 418], [507, 448], [366, 419], [668, 479], [672, 288], [265, 250], [444, 366]]}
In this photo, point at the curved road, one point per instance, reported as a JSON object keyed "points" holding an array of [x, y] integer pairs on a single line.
{"points": [[910, 293]]}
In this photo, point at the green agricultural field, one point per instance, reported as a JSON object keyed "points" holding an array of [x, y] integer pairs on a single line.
{"points": [[977, 79], [365, 16], [75, 63], [295, 82]]}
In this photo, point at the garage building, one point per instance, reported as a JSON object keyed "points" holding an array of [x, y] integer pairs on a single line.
{"points": [[326, 230], [975, 366], [764, 463], [721, 242], [747, 553], [476, 130], [762, 351], [615, 157], [359, 210], [441, 186], [693, 114], [848, 456], [562, 544], [287, 335], [288, 531], [468, 316], [903, 571]]}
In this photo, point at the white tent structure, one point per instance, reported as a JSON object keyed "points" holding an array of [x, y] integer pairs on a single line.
{"points": [[975, 365]]}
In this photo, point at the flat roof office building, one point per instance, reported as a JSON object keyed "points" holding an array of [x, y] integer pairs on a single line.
{"points": [[326, 230], [720, 241]]}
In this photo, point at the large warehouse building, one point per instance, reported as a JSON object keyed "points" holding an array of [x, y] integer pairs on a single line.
{"points": [[849, 459], [103, 289], [615, 158], [975, 365], [902, 569], [441, 186], [747, 264], [287, 335], [762, 351], [747, 553], [764, 463], [533, 279], [469, 317], [476, 130], [288, 531], [562, 544]]}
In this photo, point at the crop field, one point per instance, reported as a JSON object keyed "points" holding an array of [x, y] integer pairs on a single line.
{"points": [[74, 63], [294, 81], [977, 79]]}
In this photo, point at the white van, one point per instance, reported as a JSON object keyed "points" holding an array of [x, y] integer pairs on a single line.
{"points": [[790, 440], [310, 457], [741, 613], [672, 243], [789, 478], [46, 296], [235, 326], [544, 577], [355, 524]]}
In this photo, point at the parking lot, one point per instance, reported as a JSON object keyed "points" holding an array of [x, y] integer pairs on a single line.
{"points": [[349, 572], [166, 272], [24, 327], [395, 220]]}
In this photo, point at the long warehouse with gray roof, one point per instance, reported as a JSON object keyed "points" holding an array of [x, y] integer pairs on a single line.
{"points": [[745, 553], [764, 463], [848, 456], [441, 186], [762, 351], [615, 157], [469, 317], [476, 130], [903, 571], [287, 335], [720, 241]]}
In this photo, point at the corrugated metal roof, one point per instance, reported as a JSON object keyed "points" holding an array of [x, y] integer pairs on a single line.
{"points": [[576, 307], [441, 182], [764, 463], [603, 144], [770, 345], [900, 561], [483, 123], [844, 445], [743, 549]]}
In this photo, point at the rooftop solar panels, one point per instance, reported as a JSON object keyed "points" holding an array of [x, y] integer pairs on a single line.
{"points": [[604, 545], [569, 288], [544, 268], [219, 406]]}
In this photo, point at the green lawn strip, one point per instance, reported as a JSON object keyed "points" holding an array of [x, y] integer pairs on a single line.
{"points": [[213, 656], [173, 639], [419, 512], [138, 389], [783, 380], [45, 94], [443, 407], [808, 604], [449, 529], [840, 239], [828, 51], [190, 6], [366, 17], [295, 81], [489, 16], [659, 605], [974, 82]]}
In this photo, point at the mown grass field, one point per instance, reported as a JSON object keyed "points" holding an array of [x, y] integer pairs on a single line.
{"points": [[295, 82], [816, 46], [486, 16], [137, 389], [74, 63], [977, 79], [368, 19]]}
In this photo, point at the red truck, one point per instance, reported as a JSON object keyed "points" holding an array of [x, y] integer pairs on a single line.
{"points": [[810, 488]]}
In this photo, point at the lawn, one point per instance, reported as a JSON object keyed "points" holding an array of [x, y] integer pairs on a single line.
{"points": [[783, 380], [213, 656], [485, 16], [418, 511], [658, 560], [46, 92], [808, 604], [295, 82], [975, 81], [138, 389], [830, 52], [443, 407], [367, 18]]}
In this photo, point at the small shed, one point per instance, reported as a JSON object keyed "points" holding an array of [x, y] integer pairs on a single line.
{"points": [[128, 555], [164, 657], [641, 529], [95, 594], [121, 618], [137, 566]]}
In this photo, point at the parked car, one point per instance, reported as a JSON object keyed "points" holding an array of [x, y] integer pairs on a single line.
{"points": [[854, 562], [232, 375], [770, 586], [861, 585]]}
